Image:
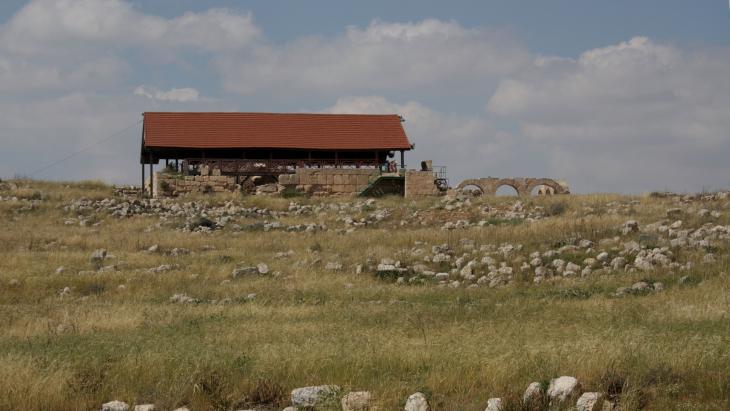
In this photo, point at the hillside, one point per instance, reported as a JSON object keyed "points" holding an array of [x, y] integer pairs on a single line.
{"points": [[230, 302]]}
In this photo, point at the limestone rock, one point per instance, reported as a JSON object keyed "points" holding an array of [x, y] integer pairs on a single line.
{"points": [[144, 407], [98, 255], [262, 268], [592, 401], [115, 405], [417, 402], [563, 388], [313, 396], [534, 395], [356, 401], [494, 404]]}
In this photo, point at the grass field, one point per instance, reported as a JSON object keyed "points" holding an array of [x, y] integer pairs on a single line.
{"points": [[115, 334]]}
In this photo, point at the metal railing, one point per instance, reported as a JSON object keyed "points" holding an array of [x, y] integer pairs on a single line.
{"points": [[265, 166]]}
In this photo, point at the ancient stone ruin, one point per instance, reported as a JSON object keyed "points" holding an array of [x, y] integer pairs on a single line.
{"points": [[524, 186]]}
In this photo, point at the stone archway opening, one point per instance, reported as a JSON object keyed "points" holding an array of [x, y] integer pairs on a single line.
{"points": [[472, 190], [542, 190], [506, 190]]}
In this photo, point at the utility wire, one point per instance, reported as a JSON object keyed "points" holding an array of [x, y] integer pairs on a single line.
{"points": [[87, 148]]}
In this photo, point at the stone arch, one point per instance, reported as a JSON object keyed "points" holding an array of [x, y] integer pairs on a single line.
{"points": [[557, 188], [479, 182], [542, 190], [523, 186], [515, 183]]}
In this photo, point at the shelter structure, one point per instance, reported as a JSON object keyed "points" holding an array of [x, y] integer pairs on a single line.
{"points": [[270, 144]]}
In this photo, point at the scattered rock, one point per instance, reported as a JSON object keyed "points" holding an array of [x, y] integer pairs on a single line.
{"points": [[592, 401], [115, 405], [144, 407], [534, 396], [356, 401], [183, 299], [313, 396], [333, 266], [563, 388], [417, 402], [262, 268], [494, 404], [98, 255]]}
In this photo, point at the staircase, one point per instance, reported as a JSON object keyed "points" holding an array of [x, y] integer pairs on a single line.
{"points": [[384, 185]]}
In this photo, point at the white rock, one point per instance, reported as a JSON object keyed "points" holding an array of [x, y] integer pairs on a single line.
{"points": [[562, 388], [494, 404], [262, 268], [618, 263], [572, 267], [417, 402], [313, 396], [115, 405], [144, 407], [533, 394], [333, 266], [441, 276], [590, 401], [98, 255], [356, 401], [602, 257]]}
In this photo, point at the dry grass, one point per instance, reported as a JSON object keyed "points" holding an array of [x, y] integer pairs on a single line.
{"points": [[668, 350]]}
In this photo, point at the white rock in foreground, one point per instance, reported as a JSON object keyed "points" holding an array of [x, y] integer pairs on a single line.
{"points": [[533, 394], [494, 404], [312, 396], [144, 407], [562, 388], [417, 402], [115, 406], [592, 401], [356, 401]]}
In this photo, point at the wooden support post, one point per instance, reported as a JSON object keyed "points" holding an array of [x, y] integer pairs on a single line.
{"points": [[402, 159], [142, 186], [177, 165], [152, 178]]}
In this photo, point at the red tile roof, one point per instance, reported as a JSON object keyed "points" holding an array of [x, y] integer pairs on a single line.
{"points": [[274, 130]]}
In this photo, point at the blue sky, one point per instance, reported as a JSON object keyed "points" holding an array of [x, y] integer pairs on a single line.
{"points": [[622, 95]]}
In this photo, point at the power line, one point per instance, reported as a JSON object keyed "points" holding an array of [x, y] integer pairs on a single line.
{"points": [[87, 148]]}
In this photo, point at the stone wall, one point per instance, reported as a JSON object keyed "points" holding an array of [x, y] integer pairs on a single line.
{"points": [[420, 183], [173, 185], [342, 181]]}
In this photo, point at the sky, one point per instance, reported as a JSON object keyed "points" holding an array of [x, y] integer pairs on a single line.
{"points": [[611, 96]]}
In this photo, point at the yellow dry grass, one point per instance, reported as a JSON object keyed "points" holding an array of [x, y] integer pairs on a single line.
{"points": [[117, 336]]}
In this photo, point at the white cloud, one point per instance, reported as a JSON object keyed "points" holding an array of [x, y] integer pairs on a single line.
{"points": [[634, 116], [183, 95], [55, 26], [74, 45], [430, 56]]}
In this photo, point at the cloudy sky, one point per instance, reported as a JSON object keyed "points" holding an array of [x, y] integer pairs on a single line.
{"points": [[619, 95]]}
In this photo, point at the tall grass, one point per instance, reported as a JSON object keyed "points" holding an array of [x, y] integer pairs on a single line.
{"points": [[117, 336]]}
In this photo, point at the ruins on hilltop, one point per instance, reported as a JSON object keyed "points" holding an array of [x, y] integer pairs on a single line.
{"points": [[315, 154]]}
